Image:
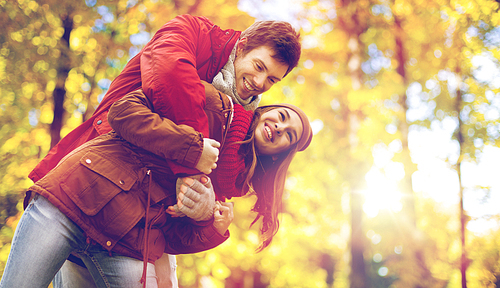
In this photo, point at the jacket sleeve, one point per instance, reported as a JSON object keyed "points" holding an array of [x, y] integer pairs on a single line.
{"points": [[169, 74], [184, 237], [133, 119]]}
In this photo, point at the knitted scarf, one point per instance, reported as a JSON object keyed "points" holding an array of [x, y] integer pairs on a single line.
{"points": [[228, 177], [225, 81]]}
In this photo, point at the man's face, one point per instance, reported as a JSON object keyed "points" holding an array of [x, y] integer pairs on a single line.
{"points": [[257, 70], [277, 131]]}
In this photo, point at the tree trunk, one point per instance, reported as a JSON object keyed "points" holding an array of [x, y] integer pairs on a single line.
{"points": [[464, 261], [358, 269], [406, 187], [410, 167], [358, 275], [328, 263], [59, 93], [353, 22]]}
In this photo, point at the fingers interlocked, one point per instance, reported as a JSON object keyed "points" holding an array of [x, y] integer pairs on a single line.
{"points": [[195, 200]]}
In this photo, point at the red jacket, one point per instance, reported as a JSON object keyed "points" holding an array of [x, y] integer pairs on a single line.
{"points": [[184, 51], [103, 185]]}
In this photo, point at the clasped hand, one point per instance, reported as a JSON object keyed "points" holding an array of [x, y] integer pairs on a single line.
{"points": [[209, 156], [196, 200]]}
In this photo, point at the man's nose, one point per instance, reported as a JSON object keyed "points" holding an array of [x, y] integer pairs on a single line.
{"points": [[260, 80]]}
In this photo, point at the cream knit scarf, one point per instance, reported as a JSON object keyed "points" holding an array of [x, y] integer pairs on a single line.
{"points": [[225, 82]]}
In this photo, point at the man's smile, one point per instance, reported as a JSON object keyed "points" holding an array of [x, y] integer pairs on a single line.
{"points": [[248, 86]]}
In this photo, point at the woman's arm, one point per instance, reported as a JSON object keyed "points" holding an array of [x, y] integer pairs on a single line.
{"points": [[133, 119]]}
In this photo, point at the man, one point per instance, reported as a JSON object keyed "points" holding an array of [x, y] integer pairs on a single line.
{"points": [[184, 51], [169, 68]]}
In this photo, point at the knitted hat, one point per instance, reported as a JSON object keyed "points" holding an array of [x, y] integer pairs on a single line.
{"points": [[306, 137]]}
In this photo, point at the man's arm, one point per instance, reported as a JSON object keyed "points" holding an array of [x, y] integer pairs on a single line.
{"points": [[169, 70]]}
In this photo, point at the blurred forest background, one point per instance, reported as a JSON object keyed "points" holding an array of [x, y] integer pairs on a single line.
{"points": [[400, 185]]}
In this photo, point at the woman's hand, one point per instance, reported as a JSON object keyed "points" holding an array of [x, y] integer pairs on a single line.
{"points": [[209, 156], [195, 198], [223, 216]]}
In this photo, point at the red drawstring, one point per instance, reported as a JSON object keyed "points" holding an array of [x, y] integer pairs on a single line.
{"points": [[146, 234]]}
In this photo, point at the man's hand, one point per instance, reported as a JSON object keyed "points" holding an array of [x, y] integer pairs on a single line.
{"points": [[223, 216], [209, 156], [194, 199]]}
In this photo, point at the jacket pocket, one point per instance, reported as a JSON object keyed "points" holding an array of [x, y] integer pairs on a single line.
{"points": [[101, 124], [95, 180]]}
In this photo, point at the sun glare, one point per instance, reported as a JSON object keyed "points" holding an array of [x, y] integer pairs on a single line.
{"points": [[382, 192]]}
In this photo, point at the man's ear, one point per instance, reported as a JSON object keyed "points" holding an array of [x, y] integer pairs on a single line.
{"points": [[241, 46]]}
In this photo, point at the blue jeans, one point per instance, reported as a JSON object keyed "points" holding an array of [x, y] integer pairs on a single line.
{"points": [[74, 276], [43, 240], [77, 276]]}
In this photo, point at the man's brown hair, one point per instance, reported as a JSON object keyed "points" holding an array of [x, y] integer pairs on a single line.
{"points": [[280, 36]]}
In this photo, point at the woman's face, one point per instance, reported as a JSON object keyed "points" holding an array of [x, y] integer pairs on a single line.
{"points": [[277, 130]]}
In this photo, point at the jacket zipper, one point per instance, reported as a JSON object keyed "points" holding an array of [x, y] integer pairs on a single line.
{"points": [[223, 49]]}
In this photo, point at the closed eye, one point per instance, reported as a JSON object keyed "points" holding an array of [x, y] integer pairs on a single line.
{"points": [[282, 116], [294, 132]]}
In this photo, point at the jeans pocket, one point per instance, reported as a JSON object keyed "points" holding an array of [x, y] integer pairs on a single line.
{"points": [[34, 198]]}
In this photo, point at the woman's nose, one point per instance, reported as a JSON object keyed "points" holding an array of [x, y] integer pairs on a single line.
{"points": [[278, 128]]}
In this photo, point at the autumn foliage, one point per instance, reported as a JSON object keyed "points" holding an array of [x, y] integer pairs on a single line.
{"points": [[404, 98]]}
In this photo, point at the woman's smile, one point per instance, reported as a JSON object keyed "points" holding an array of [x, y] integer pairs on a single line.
{"points": [[268, 132]]}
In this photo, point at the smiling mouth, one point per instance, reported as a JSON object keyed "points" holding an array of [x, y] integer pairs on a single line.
{"points": [[269, 133], [247, 85]]}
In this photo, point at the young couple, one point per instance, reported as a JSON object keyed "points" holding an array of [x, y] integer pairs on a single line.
{"points": [[112, 199]]}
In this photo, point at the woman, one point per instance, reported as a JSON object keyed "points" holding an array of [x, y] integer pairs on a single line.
{"points": [[108, 197]]}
